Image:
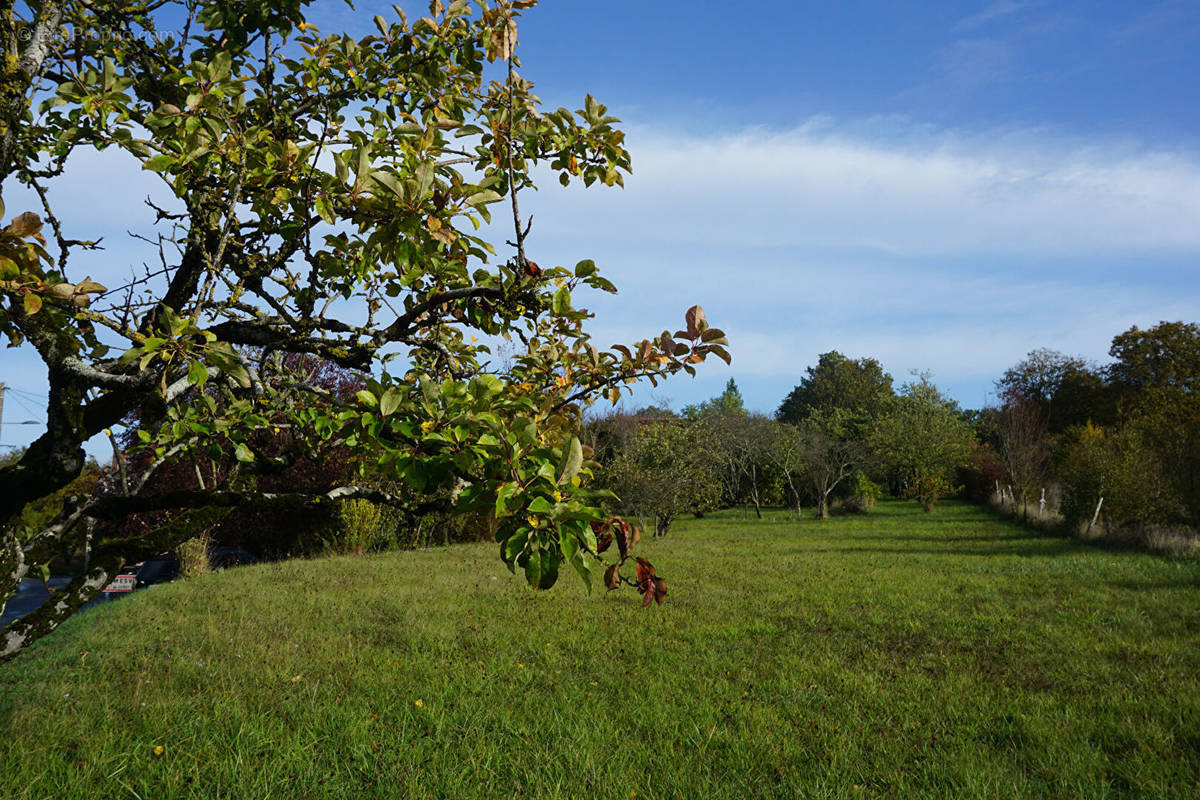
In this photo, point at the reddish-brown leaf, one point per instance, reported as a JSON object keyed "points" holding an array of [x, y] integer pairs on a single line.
{"points": [[621, 531], [23, 225], [660, 589], [603, 542], [612, 577], [645, 570], [696, 322]]}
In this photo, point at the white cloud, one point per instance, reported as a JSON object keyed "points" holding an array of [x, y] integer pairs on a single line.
{"points": [[921, 248], [900, 191]]}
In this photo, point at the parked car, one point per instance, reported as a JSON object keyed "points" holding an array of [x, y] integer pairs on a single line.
{"points": [[159, 569], [165, 567]]}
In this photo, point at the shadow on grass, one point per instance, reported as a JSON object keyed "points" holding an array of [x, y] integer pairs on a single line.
{"points": [[1183, 582], [1052, 549]]}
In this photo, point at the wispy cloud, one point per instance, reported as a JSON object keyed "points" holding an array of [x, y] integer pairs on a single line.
{"points": [[946, 251], [970, 64], [995, 11], [901, 191]]}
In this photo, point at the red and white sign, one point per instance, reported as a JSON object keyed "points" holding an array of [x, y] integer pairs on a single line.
{"points": [[122, 583]]}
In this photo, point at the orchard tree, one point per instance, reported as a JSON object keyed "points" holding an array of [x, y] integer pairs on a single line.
{"points": [[1156, 375], [1067, 390], [829, 452], [1165, 356], [859, 387], [327, 198], [1024, 446], [785, 450], [921, 440], [666, 468], [741, 441]]}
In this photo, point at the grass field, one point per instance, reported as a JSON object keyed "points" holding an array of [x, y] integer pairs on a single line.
{"points": [[890, 655]]}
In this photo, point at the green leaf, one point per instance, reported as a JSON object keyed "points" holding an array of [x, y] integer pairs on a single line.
{"points": [[540, 505], [562, 301], [239, 374], [159, 163], [389, 402], [582, 566], [504, 499], [541, 568], [585, 268], [324, 209], [33, 303], [549, 572], [572, 460], [366, 398], [424, 173], [483, 198], [243, 453], [222, 64], [197, 373], [514, 545]]}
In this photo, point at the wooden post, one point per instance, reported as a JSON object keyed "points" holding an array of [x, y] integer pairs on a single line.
{"points": [[1042, 503], [1096, 515]]}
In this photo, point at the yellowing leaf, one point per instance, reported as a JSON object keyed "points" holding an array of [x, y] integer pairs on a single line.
{"points": [[503, 39], [89, 286], [24, 225], [572, 461]]}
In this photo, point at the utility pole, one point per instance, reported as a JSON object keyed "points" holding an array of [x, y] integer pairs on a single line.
{"points": [[2, 388]]}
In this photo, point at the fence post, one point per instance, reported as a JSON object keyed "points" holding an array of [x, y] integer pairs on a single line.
{"points": [[1095, 515]]}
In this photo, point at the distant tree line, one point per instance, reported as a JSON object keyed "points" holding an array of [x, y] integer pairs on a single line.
{"points": [[1128, 432], [838, 439]]}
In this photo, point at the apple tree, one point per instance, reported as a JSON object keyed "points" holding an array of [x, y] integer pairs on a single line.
{"points": [[332, 197]]}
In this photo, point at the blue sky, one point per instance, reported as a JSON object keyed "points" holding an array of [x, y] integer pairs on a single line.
{"points": [[942, 186]]}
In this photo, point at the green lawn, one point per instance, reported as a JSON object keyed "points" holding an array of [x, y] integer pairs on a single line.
{"points": [[895, 655]]}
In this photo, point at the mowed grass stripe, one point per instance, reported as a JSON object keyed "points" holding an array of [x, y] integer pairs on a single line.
{"points": [[895, 654]]}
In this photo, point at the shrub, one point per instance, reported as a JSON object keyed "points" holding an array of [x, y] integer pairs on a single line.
{"points": [[362, 526], [1120, 467], [864, 493], [193, 556]]}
